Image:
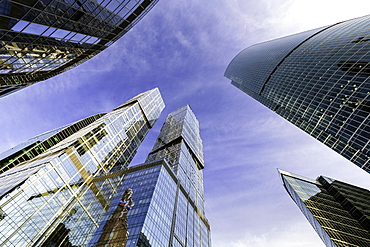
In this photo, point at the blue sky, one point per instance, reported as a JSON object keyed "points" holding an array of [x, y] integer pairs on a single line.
{"points": [[184, 47]]}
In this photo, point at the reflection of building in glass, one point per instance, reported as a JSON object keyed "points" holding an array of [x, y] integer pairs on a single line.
{"points": [[42, 38], [115, 230], [339, 212], [168, 188], [57, 187], [318, 80]]}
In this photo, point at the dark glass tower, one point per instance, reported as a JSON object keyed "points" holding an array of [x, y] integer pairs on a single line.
{"points": [[42, 38], [339, 212], [318, 80], [168, 189], [56, 188]]}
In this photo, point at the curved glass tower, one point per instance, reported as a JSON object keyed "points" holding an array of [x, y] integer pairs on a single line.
{"points": [[42, 38], [318, 80]]}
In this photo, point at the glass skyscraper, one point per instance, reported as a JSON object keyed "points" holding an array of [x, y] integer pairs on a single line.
{"points": [[318, 80], [339, 212], [168, 189], [56, 188], [42, 38]]}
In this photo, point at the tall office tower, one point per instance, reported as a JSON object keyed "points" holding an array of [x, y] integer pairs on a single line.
{"points": [[56, 189], [318, 80], [168, 189], [42, 38], [339, 212]]}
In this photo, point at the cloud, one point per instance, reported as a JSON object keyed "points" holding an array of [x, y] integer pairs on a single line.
{"points": [[184, 47], [288, 235], [321, 13]]}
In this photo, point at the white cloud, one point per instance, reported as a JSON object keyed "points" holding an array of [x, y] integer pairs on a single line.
{"points": [[184, 47], [307, 15], [287, 235]]}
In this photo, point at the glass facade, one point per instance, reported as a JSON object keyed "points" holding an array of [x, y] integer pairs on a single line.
{"points": [[42, 38], [168, 188], [62, 191], [338, 212], [318, 80]]}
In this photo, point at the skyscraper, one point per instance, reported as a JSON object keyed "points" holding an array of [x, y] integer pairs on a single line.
{"points": [[42, 38], [57, 187], [318, 80], [339, 212], [168, 189]]}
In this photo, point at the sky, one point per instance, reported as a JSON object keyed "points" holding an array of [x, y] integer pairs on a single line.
{"points": [[183, 48]]}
